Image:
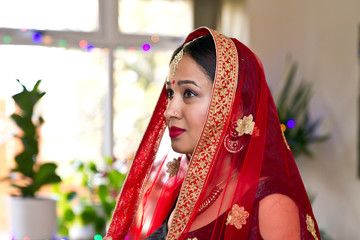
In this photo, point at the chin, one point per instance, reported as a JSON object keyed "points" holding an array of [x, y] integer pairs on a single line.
{"points": [[181, 149]]}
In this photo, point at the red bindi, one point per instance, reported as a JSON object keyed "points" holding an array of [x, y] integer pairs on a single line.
{"points": [[173, 82]]}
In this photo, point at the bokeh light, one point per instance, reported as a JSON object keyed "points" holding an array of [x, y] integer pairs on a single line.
{"points": [[37, 38], [89, 47], [155, 38], [7, 39], [64, 238], [146, 47], [62, 43], [83, 43], [283, 127], [106, 50], [47, 39], [97, 237], [290, 123]]}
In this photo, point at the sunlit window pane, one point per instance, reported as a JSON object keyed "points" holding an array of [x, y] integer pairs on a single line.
{"points": [[139, 77], [73, 15], [73, 104], [163, 17]]}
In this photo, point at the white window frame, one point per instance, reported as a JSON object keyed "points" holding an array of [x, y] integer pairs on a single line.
{"points": [[108, 36]]}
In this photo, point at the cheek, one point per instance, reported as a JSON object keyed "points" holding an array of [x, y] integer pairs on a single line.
{"points": [[198, 119]]}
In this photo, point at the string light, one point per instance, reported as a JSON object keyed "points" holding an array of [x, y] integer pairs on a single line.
{"points": [[37, 38], [290, 123], [7, 39], [131, 49], [119, 48], [146, 47], [47, 39], [62, 43], [83, 43], [106, 50], [89, 47], [26, 238], [155, 38], [283, 127], [97, 237]]}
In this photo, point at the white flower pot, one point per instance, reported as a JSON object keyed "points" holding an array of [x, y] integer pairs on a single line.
{"points": [[34, 218], [79, 232]]}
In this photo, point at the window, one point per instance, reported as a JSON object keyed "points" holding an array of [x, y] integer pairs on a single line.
{"points": [[138, 77], [73, 104], [101, 86], [162, 17], [79, 15]]}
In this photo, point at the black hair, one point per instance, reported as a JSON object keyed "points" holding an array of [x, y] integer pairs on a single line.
{"points": [[203, 51]]}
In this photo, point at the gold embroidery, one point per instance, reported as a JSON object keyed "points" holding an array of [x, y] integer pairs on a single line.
{"points": [[173, 167], [223, 95], [245, 125], [237, 216], [286, 143], [311, 226], [192, 238]]}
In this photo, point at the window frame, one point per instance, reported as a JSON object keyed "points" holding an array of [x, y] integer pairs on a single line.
{"points": [[108, 36]]}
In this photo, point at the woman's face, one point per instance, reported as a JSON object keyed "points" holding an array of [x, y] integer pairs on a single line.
{"points": [[189, 93]]}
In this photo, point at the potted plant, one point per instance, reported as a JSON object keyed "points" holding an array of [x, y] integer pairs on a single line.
{"points": [[293, 110], [86, 207], [31, 216]]}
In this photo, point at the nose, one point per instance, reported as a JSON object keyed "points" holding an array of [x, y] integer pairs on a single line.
{"points": [[172, 111]]}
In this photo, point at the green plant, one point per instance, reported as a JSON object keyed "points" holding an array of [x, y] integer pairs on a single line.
{"points": [[293, 105], [293, 110], [94, 200], [29, 176]]}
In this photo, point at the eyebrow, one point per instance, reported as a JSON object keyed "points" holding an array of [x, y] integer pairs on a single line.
{"points": [[180, 82]]}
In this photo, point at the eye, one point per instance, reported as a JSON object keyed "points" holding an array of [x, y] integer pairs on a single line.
{"points": [[188, 93], [170, 93]]}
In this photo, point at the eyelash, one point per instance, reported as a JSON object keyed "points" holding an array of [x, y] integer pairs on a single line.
{"points": [[170, 93], [187, 93]]}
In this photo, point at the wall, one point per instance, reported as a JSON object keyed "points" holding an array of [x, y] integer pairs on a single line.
{"points": [[322, 36]]}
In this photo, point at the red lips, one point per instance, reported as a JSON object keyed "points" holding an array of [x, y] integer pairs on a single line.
{"points": [[175, 131]]}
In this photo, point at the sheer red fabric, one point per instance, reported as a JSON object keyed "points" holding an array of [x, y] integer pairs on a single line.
{"points": [[241, 157]]}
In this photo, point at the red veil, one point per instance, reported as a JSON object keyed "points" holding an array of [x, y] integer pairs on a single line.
{"points": [[241, 157]]}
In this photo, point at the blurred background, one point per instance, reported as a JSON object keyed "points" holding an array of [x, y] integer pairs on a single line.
{"points": [[103, 62]]}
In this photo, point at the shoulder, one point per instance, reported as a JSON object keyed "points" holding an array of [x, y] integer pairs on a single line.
{"points": [[279, 217]]}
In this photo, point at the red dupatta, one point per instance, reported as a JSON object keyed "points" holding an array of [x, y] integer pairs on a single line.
{"points": [[241, 147]]}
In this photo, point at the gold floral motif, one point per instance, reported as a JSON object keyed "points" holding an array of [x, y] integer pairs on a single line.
{"points": [[237, 216], [173, 167], [245, 125], [192, 238], [201, 162], [311, 226]]}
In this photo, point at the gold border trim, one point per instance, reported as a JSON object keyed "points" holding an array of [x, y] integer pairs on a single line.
{"points": [[223, 95]]}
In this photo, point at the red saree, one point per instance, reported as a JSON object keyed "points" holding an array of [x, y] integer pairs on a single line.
{"points": [[241, 157]]}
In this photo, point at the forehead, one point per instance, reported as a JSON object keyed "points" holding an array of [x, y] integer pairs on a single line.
{"points": [[188, 69]]}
